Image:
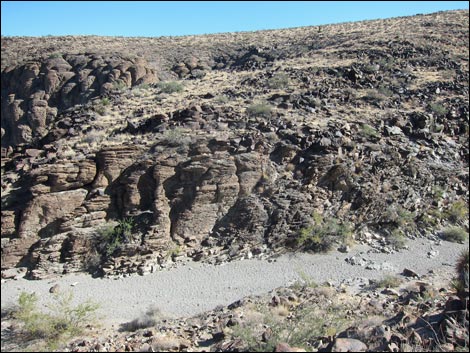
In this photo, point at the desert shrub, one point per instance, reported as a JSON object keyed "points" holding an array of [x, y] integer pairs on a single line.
{"points": [[170, 87], [457, 212], [405, 218], [119, 85], [324, 234], [111, 238], [143, 86], [374, 96], [105, 101], [149, 319], [369, 68], [305, 281], [437, 109], [438, 192], [176, 137], [388, 282], [280, 80], [298, 328], [399, 217], [397, 239], [222, 99], [54, 56], [386, 63], [100, 109], [173, 252], [368, 131], [93, 136], [461, 283], [62, 320], [454, 234], [385, 91], [92, 261], [259, 109], [198, 73]]}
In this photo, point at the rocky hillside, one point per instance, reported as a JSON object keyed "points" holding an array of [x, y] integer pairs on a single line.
{"points": [[123, 155]]}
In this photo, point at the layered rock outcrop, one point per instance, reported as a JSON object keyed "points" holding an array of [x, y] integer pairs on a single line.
{"points": [[34, 93], [255, 149]]}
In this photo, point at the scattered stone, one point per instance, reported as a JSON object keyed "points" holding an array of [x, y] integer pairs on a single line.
{"points": [[348, 345], [54, 289], [409, 273], [284, 347]]}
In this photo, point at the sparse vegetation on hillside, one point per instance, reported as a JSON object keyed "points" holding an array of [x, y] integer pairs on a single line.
{"points": [[61, 323], [259, 110], [278, 81], [297, 324], [170, 87]]}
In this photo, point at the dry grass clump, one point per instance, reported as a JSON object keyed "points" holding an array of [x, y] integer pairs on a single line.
{"points": [[259, 110], [389, 282], [454, 234], [170, 87], [149, 319]]}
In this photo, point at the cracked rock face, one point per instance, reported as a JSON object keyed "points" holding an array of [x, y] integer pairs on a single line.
{"points": [[268, 137]]}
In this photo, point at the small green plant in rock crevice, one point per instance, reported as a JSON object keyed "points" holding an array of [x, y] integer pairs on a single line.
{"points": [[111, 238]]}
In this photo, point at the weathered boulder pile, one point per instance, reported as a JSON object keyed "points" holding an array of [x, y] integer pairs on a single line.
{"points": [[34, 94]]}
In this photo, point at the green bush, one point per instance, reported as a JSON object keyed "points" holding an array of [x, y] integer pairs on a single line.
{"points": [[368, 131], [176, 137], [457, 212], [119, 85], [278, 81], [170, 87], [305, 281], [63, 320], [385, 91], [324, 234], [259, 109], [454, 234], [399, 217], [305, 323], [438, 109], [222, 99], [111, 238], [54, 56], [397, 239]]}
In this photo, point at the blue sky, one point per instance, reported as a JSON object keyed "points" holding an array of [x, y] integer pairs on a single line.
{"points": [[174, 18]]}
